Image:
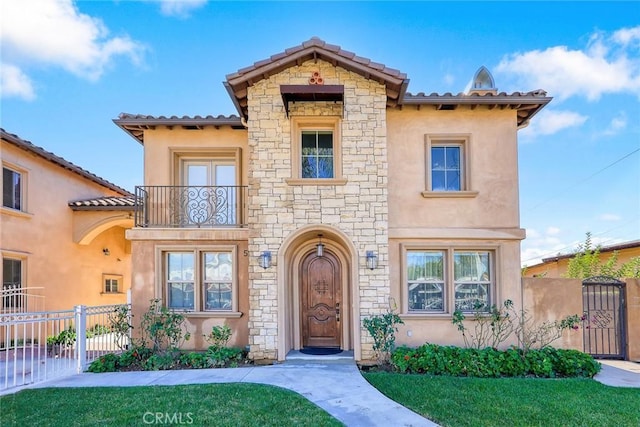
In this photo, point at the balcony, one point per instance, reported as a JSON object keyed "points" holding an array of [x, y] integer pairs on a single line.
{"points": [[190, 206]]}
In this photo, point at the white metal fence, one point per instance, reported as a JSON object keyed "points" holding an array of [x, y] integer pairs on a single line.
{"points": [[16, 299], [38, 346]]}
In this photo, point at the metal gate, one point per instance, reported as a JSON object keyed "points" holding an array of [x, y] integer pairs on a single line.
{"points": [[604, 332]]}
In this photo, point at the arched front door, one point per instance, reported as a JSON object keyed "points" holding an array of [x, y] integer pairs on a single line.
{"points": [[321, 294]]}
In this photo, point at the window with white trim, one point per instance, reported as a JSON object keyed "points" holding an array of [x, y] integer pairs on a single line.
{"points": [[447, 165], [112, 283], [200, 279], [445, 280], [12, 189]]}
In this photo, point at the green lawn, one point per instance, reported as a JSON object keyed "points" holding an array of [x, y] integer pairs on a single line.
{"points": [[453, 401], [197, 405]]}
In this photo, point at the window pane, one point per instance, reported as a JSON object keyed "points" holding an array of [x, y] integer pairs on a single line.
{"points": [[453, 157], [181, 296], [425, 274], [423, 265], [437, 158], [426, 296], [180, 266], [452, 180], [309, 167], [472, 275], [309, 146], [180, 280], [12, 280], [11, 189], [325, 143], [217, 266], [225, 175], [438, 181], [198, 174], [218, 296], [472, 296], [325, 167], [472, 267]]}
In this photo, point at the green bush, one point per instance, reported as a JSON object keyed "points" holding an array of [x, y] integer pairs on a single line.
{"points": [[492, 363]]}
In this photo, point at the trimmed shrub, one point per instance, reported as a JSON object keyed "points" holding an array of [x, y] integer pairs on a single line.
{"points": [[492, 363]]}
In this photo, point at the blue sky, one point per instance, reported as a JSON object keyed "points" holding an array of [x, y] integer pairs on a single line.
{"points": [[68, 68]]}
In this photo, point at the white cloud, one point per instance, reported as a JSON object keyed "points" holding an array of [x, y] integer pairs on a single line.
{"points": [[608, 64], [552, 231], [14, 83], [55, 33], [617, 124], [180, 8], [627, 36], [549, 122], [609, 217]]}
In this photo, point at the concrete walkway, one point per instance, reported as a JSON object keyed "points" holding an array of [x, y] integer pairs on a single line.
{"points": [[335, 386], [619, 373]]}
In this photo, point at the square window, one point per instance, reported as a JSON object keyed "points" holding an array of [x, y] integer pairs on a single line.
{"points": [[317, 154], [112, 283], [12, 187], [448, 279], [200, 280]]}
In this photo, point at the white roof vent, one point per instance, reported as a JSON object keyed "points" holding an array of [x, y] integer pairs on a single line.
{"points": [[483, 82]]}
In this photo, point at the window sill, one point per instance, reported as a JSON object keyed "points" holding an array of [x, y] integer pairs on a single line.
{"points": [[111, 293], [211, 314], [311, 181], [15, 212], [449, 194]]}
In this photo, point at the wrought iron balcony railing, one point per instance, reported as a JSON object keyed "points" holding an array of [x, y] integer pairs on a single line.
{"points": [[190, 206]]}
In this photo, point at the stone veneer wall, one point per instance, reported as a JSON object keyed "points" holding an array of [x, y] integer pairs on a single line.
{"points": [[275, 209]]}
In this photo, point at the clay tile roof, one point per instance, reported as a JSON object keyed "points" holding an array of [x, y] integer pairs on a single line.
{"points": [[135, 124], [105, 203], [314, 48], [41, 152], [526, 104]]}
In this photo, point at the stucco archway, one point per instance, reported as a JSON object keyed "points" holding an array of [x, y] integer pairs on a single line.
{"points": [[293, 249], [86, 229]]}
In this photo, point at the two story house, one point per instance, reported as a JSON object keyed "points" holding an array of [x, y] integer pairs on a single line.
{"points": [[334, 195], [62, 232]]}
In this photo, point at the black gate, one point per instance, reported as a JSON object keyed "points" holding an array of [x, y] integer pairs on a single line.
{"points": [[604, 332]]}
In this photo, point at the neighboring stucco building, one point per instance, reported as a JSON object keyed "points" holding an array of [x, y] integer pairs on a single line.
{"points": [[334, 196], [556, 266], [62, 232]]}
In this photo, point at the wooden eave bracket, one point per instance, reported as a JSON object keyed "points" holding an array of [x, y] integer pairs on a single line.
{"points": [[311, 93]]}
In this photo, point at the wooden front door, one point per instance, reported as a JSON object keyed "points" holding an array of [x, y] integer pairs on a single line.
{"points": [[321, 300]]}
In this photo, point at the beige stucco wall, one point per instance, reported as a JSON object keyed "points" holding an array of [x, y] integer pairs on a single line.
{"points": [[43, 236], [487, 219], [162, 144], [147, 281], [554, 299], [633, 319], [493, 165], [357, 209], [162, 148]]}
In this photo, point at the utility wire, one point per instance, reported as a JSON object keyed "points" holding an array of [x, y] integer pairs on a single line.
{"points": [[583, 180]]}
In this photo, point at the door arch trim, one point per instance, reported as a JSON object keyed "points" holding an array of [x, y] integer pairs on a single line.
{"points": [[293, 248]]}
